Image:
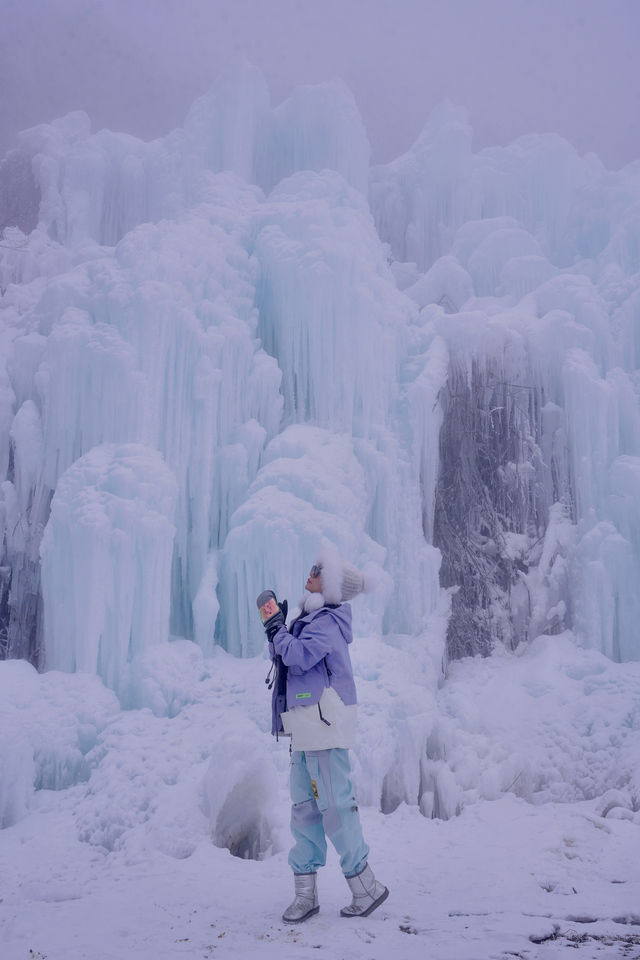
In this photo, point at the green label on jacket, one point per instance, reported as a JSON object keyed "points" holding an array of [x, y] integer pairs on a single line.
{"points": [[302, 696]]}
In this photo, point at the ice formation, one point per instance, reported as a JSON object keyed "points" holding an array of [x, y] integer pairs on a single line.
{"points": [[111, 533], [226, 348]]}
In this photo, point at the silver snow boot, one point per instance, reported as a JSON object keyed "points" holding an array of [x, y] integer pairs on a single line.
{"points": [[367, 894], [305, 902]]}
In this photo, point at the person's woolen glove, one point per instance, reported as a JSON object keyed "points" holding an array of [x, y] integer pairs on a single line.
{"points": [[273, 624]]}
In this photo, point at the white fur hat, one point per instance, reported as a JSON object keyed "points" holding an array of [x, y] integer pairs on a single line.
{"points": [[340, 580], [352, 582]]}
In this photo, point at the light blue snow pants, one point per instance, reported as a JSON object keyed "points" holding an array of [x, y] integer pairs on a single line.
{"points": [[324, 805]]}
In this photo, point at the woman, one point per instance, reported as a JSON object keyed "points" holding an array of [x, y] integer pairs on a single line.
{"points": [[321, 720]]}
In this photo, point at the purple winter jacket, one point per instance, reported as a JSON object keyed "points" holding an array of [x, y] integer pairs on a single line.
{"points": [[316, 654]]}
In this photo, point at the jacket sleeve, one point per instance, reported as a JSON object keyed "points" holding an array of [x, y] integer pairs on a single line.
{"points": [[316, 640]]}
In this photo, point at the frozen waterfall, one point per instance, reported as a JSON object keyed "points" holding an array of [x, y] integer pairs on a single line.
{"points": [[431, 364]]}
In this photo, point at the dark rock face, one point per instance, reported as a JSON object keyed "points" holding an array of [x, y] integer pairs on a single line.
{"points": [[492, 501], [20, 570], [19, 193]]}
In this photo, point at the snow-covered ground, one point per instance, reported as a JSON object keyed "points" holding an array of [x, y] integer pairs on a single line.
{"points": [[474, 888], [130, 855]]}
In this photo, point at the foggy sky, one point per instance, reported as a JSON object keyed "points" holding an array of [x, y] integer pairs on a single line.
{"points": [[519, 66]]}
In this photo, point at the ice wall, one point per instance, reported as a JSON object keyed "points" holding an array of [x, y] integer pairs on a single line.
{"points": [[570, 205], [152, 342], [530, 277], [99, 186], [331, 315], [201, 335], [441, 367]]}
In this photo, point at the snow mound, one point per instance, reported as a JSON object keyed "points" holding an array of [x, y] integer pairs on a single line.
{"points": [[50, 724], [551, 723]]}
